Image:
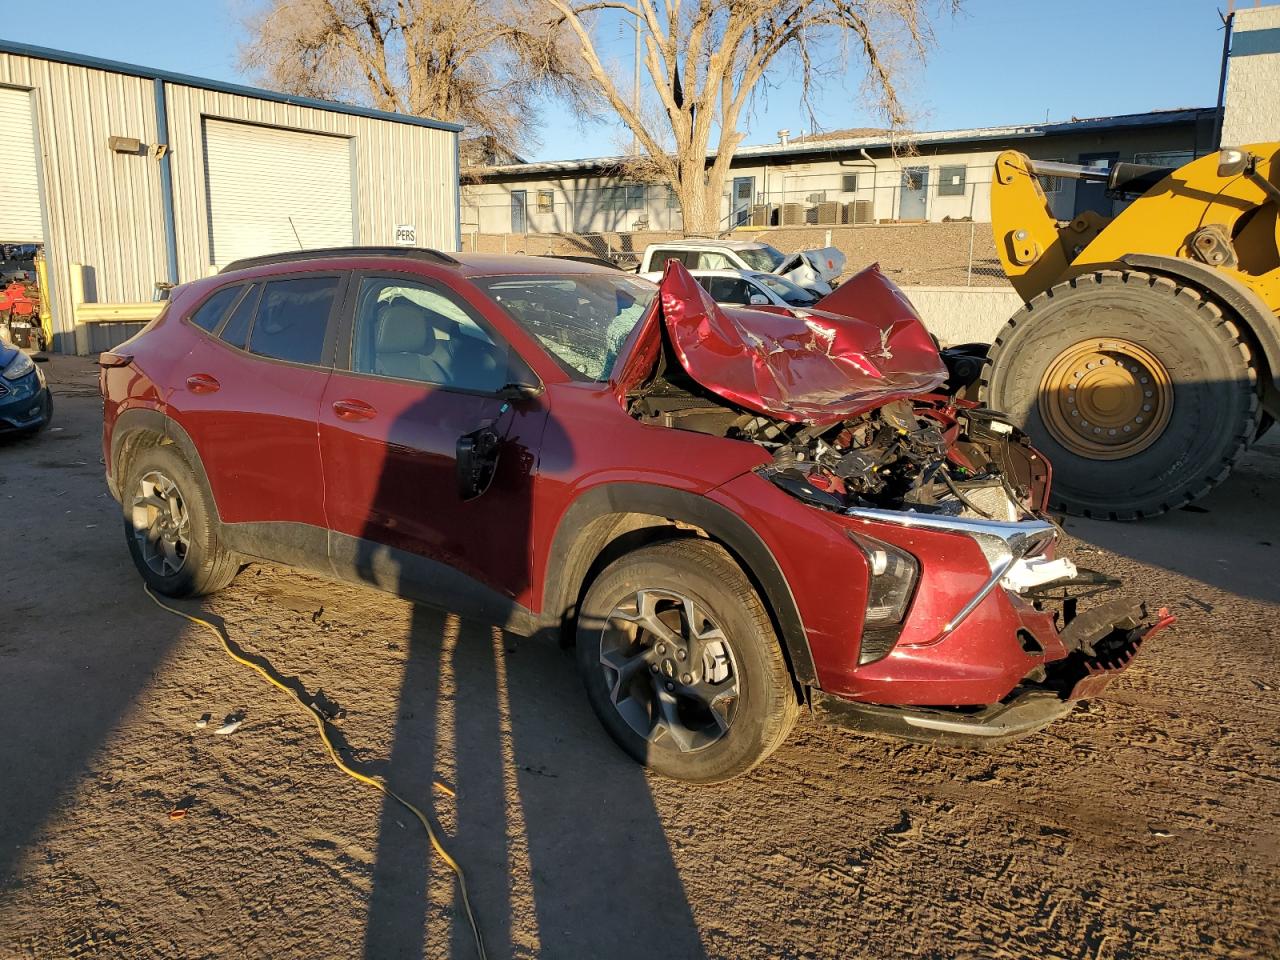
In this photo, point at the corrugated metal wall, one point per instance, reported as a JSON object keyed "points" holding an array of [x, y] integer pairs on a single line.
{"points": [[105, 210], [404, 174]]}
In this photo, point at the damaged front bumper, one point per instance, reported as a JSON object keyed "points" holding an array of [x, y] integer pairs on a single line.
{"points": [[1104, 642]]}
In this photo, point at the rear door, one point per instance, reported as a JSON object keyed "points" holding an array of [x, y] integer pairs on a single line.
{"points": [[420, 367], [249, 394]]}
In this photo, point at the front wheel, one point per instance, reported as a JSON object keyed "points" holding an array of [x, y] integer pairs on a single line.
{"points": [[681, 662], [1140, 392]]}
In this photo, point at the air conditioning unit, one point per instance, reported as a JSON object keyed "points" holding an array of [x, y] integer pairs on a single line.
{"points": [[792, 214], [860, 211], [818, 197], [764, 214], [829, 212]]}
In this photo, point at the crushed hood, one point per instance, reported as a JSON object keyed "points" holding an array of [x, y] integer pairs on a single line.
{"points": [[861, 346]]}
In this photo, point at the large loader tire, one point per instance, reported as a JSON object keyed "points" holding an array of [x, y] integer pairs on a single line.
{"points": [[1139, 391]]}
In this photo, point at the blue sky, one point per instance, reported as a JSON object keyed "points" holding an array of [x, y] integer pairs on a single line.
{"points": [[996, 63]]}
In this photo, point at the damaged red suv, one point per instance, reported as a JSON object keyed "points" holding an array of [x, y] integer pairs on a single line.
{"points": [[736, 514]]}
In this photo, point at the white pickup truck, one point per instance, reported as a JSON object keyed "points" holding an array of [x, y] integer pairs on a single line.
{"points": [[812, 269]]}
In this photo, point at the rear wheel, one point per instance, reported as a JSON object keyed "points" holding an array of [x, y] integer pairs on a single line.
{"points": [[170, 526], [1140, 392], [681, 663]]}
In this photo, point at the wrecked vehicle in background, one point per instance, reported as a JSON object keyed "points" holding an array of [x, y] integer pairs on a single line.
{"points": [[735, 514], [813, 270]]}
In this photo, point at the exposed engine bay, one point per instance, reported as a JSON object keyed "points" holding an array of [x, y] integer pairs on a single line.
{"points": [[933, 454]]}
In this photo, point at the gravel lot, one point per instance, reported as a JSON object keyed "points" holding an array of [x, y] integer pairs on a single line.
{"points": [[1142, 826]]}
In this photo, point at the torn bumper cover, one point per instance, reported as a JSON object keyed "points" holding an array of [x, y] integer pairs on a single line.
{"points": [[1104, 642]]}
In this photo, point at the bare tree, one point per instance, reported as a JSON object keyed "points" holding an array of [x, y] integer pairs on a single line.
{"points": [[706, 59], [483, 63]]}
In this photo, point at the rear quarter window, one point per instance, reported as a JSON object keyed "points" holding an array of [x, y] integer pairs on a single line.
{"points": [[210, 313]]}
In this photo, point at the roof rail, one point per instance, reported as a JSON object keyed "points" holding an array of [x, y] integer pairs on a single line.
{"points": [[292, 256]]}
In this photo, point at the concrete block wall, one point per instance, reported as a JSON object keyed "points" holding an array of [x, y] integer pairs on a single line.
{"points": [[1252, 109]]}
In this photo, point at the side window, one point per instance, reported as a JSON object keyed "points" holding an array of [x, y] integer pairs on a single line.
{"points": [[215, 308], [292, 318], [658, 261], [408, 330], [710, 260], [729, 290], [236, 329]]}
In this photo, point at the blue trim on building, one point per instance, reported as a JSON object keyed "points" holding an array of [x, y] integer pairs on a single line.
{"points": [[166, 181], [148, 73], [1253, 43], [457, 197]]}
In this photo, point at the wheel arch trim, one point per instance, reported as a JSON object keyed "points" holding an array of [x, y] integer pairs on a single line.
{"points": [[145, 419], [572, 554]]}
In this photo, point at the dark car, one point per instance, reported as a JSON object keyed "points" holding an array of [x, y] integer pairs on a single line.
{"points": [[736, 514], [25, 401]]}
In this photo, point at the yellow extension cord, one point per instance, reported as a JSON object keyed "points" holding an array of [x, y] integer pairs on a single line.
{"points": [[318, 717]]}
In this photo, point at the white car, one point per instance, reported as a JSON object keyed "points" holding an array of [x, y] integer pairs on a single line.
{"points": [[812, 269], [742, 288]]}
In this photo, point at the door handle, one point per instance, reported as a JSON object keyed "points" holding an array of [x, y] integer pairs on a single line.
{"points": [[203, 383], [353, 410]]}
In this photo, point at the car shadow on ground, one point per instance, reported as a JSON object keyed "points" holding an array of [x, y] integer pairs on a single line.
{"points": [[571, 833]]}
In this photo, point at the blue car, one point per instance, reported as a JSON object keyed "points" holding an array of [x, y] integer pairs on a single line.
{"points": [[25, 401]]}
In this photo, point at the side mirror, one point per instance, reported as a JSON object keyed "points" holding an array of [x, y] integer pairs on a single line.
{"points": [[1232, 162], [758, 300], [516, 392], [477, 461]]}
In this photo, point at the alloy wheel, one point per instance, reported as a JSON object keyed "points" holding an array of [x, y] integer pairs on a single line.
{"points": [[670, 670], [161, 524]]}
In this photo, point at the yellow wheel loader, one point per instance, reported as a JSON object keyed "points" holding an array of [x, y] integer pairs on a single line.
{"points": [[1145, 360]]}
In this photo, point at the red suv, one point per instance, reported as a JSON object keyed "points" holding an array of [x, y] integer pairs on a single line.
{"points": [[735, 514]]}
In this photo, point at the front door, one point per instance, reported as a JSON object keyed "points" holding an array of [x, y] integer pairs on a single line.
{"points": [[419, 369], [744, 192], [1090, 194], [519, 211], [913, 202]]}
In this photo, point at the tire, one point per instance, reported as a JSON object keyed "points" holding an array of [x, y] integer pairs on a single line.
{"points": [[741, 668], [1193, 416], [156, 479]]}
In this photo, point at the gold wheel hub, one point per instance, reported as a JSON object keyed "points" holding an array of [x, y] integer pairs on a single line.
{"points": [[1106, 399]]}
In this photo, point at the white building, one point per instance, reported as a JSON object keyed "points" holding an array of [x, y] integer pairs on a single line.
{"points": [[143, 177], [833, 179]]}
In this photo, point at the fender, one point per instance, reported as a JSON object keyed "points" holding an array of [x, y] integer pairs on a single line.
{"points": [[580, 536], [152, 421], [1262, 324]]}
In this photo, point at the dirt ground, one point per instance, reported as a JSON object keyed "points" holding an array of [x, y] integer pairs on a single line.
{"points": [[1142, 826]]}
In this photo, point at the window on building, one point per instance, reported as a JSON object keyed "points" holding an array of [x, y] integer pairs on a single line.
{"points": [[292, 318], [626, 196], [1051, 185], [1165, 158], [849, 183], [951, 181], [546, 201], [215, 308], [673, 200]]}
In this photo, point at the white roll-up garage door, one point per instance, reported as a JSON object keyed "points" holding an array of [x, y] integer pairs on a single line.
{"points": [[271, 190], [19, 186]]}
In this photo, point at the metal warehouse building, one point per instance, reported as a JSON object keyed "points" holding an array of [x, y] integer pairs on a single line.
{"points": [[141, 177]]}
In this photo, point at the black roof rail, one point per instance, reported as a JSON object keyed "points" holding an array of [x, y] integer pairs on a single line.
{"points": [[293, 256]]}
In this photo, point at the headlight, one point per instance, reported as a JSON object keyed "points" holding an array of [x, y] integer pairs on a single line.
{"points": [[18, 367], [891, 580]]}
